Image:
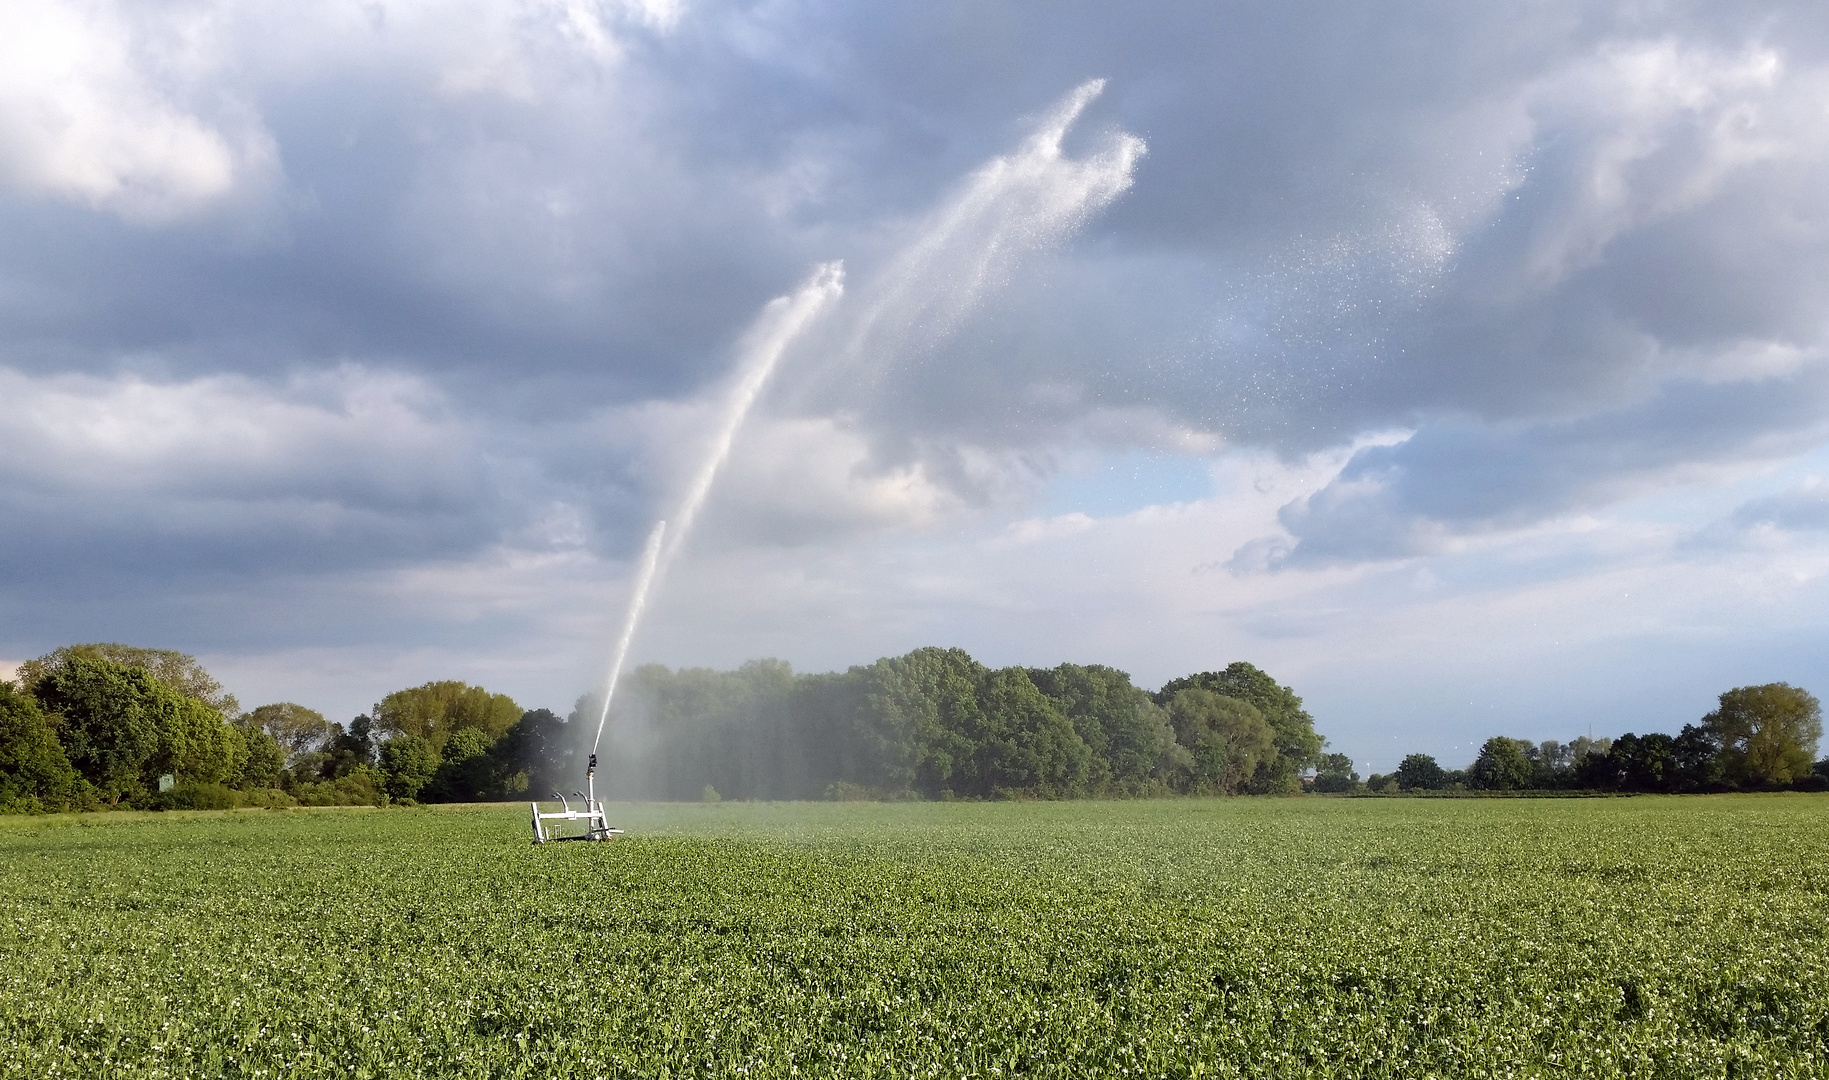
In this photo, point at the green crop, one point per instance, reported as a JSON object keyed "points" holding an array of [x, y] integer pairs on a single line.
{"points": [[1651, 937]]}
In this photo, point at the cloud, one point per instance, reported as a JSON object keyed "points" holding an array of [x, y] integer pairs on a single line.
{"points": [[1450, 481], [105, 479], [125, 109], [391, 326]]}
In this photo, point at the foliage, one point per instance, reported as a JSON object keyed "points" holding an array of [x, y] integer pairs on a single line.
{"points": [[1503, 765], [1265, 938], [1767, 734], [466, 772], [35, 776], [1129, 736], [437, 709], [263, 761], [538, 749], [121, 727], [1334, 773], [933, 724], [1226, 738], [1296, 744], [345, 751], [408, 763], [362, 787], [1420, 772], [296, 729], [177, 670]]}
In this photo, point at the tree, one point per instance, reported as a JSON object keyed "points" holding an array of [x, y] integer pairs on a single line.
{"points": [[408, 762], [1228, 739], [1768, 734], [349, 750], [1420, 772], [122, 727], [1027, 745], [263, 762], [107, 732], [465, 771], [177, 670], [1696, 753], [1643, 762], [1128, 733], [920, 724], [1503, 765], [35, 776], [437, 709], [538, 749], [196, 742], [296, 729], [1334, 773], [1295, 742]]}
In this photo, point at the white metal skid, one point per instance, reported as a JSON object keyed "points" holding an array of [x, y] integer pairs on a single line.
{"points": [[596, 824]]}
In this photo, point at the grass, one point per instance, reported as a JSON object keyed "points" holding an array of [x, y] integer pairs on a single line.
{"points": [[1304, 937]]}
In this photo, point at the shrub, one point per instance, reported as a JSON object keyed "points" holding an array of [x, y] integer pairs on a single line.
{"points": [[361, 787], [846, 791], [193, 795]]}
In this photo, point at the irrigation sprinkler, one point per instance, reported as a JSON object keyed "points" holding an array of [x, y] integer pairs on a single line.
{"points": [[596, 824]]}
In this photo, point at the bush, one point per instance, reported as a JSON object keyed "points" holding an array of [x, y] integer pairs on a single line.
{"points": [[192, 795], [361, 787], [269, 798], [846, 791]]}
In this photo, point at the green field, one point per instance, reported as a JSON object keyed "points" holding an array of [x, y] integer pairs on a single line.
{"points": [[1679, 937]]}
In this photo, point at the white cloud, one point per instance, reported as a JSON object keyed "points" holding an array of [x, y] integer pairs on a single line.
{"points": [[1662, 126], [92, 113]]}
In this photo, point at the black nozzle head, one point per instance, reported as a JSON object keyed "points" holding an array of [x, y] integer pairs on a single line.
{"points": [[591, 770]]}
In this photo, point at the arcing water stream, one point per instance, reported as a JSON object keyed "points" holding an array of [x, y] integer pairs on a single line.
{"points": [[1013, 205], [784, 319]]}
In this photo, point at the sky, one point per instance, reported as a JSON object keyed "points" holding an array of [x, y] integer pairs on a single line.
{"points": [[1465, 367]]}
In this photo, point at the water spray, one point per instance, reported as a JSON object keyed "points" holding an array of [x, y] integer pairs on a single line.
{"points": [[1015, 204], [783, 320], [644, 580]]}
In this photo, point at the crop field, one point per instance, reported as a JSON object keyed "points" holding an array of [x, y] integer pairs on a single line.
{"points": [[1249, 937]]}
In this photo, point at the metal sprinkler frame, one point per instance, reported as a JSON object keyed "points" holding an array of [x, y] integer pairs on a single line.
{"points": [[596, 823]]}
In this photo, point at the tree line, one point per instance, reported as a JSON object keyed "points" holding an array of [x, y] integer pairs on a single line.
{"points": [[937, 724], [99, 725], [1758, 738]]}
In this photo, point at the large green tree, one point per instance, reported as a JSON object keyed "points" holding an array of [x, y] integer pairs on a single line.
{"points": [[538, 749], [1767, 734], [408, 763], [1027, 744], [121, 727], [435, 710], [1503, 765], [263, 762], [466, 772], [1130, 737], [921, 721], [1420, 772], [1296, 744], [296, 729], [1227, 738]]}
